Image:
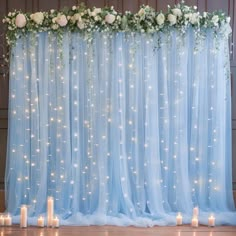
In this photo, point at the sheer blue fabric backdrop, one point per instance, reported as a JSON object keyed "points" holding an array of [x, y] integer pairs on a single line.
{"points": [[127, 130]]}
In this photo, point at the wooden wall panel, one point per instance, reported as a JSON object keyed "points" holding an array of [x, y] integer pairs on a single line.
{"points": [[13, 4], [232, 11], [162, 5], [67, 3], [116, 4], [217, 5], [132, 6], [97, 3], [152, 3], [46, 5]]}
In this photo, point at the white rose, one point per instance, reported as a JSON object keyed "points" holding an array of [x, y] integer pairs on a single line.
{"points": [[20, 20], [61, 20], [3, 21], [37, 17], [97, 10], [172, 19], [188, 16], [194, 18], [55, 26], [97, 18], [160, 19], [52, 11], [177, 12], [204, 14], [228, 19], [109, 18], [74, 8], [93, 14], [141, 12], [215, 19], [80, 24]]}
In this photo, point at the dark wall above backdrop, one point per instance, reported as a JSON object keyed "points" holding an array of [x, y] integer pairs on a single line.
{"points": [[228, 6]]}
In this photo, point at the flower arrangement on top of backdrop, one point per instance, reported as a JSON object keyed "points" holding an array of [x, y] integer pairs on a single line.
{"points": [[86, 20]]}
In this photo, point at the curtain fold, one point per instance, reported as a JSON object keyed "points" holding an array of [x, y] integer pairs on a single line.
{"points": [[126, 130]]}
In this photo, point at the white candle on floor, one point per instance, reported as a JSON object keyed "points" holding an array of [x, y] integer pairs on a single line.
{"points": [[23, 216], [50, 205], [1, 220], [211, 221], [179, 219], [195, 212], [41, 221], [55, 222], [8, 220], [194, 222]]}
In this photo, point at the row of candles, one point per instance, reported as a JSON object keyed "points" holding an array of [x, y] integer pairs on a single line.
{"points": [[54, 221], [194, 222]]}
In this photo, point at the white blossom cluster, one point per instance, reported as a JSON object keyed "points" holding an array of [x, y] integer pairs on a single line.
{"points": [[83, 19]]}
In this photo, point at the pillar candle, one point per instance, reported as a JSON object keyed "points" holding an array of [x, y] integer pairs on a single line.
{"points": [[8, 220], [179, 219], [23, 216], [41, 221], [195, 212], [194, 222], [50, 205], [1, 220], [55, 222], [211, 221]]}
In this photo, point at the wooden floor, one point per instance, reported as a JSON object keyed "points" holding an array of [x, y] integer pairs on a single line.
{"points": [[119, 231]]}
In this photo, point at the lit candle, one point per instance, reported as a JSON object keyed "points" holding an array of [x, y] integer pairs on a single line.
{"points": [[50, 210], [211, 221], [41, 221], [1, 220], [8, 220], [55, 222], [23, 216], [179, 219], [195, 212], [194, 222]]}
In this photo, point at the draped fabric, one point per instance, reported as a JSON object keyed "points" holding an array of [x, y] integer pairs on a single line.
{"points": [[128, 129]]}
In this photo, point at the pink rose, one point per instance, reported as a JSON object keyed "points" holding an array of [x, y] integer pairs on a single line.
{"points": [[20, 20], [62, 20], [109, 18]]}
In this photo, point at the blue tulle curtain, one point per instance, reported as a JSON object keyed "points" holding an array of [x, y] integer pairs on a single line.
{"points": [[127, 129]]}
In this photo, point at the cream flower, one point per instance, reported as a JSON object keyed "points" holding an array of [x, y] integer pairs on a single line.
{"points": [[177, 12], [228, 19], [194, 18], [80, 24], [97, 10], [20, 20], [37, 17], [109, 18], [172, 19], [215, 20], [55, 26], [160, 19], [61, 20], [141, 12]]}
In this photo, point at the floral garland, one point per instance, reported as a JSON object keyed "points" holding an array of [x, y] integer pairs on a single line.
{"points": [[86, 20]]}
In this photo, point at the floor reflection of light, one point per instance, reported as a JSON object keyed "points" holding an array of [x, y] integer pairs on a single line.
{"points": [[194, 233], [210, 234], [179, 233]]}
